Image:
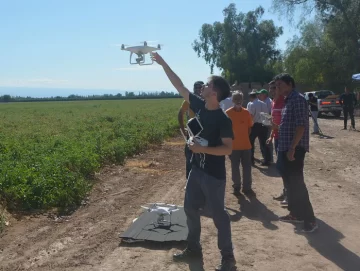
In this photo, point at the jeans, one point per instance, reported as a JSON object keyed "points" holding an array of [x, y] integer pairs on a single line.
{"points": [[280, 169], [260, 131], [276, 145], [315, 115], [242, 157], [349, 111], [200, 187], [270, 145], [299, 204], [188, 154]]}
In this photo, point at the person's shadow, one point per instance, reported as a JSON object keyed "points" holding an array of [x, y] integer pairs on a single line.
{"points": [[255, 210], [270, 171], [194, 264], [326, 241]]}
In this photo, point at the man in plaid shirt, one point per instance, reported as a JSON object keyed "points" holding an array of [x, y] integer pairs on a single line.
{"points": [[293, 145]]}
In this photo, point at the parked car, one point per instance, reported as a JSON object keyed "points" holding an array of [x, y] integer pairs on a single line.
{"points": [[328, 102]]}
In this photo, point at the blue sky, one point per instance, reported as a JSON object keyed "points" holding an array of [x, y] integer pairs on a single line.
{"points": [[71, 44]]}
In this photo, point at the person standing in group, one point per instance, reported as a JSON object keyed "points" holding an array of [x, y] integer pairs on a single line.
{"points": [[348, 102], [207, 178], [277, 107], [314, 112], [293, 145], [255, 107], [226, 103], [263, 96], [185, 109], [241, 152]]}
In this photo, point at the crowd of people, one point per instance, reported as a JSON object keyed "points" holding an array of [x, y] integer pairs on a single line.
{"points": [[230, 130]]}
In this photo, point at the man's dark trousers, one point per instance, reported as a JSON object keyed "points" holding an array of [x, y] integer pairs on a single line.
{"points": [[260, 131], [280, 167], [188, 155], [298, 197], [201, 187], [242, 157], [349, 110]]}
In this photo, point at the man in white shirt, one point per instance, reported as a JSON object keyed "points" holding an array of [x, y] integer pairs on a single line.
{"points": [[255, 107], [263, 96], [227, 103]]}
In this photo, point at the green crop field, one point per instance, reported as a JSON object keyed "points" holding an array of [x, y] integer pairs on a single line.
{"points": [[50, 150]]}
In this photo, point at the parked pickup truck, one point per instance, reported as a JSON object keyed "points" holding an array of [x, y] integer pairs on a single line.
{"points": [[328, 102]]}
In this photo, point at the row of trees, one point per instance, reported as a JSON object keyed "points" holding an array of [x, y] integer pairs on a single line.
{"points": [[325, 55], [73, 97]]}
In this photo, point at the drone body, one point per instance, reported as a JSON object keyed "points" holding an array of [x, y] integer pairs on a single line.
{"points": [[163, 210], [140, 51]]}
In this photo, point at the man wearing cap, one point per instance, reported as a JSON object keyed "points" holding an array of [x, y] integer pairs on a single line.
{"points": [[263, 96], [185, 109], [241, 153], [255, 107]]}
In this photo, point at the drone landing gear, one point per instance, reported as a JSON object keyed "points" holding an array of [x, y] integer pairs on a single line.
{"points": [[140, 60]]}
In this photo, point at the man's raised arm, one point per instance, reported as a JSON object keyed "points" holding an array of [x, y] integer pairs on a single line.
{"points": [[174, 79]]}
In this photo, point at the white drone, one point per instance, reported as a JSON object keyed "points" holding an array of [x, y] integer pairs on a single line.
{"points": [[163, 210], [140, 51]]}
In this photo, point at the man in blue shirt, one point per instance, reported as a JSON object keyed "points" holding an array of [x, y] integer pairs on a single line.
{"points": [[293, 145]]}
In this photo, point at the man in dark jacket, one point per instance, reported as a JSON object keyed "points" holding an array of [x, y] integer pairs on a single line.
{"points": [[348, 102]]}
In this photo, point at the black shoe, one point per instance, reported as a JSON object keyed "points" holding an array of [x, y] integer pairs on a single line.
{"points": [[308, 228], [187, 254], [344, 128], [266, 163], [227, 264], [249, 193], [279, 198]]}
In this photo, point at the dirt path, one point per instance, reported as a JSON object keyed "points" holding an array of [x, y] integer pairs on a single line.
{"points": [[88, 239]]}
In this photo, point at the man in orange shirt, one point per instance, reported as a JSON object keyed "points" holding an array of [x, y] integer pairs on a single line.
{"points": [[185, 109], [241, 123]]}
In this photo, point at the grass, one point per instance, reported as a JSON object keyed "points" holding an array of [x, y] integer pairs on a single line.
{"points": [[50, 150]]}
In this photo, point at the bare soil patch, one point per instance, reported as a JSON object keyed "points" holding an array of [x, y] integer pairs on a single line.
{"points": [[88, 239]]}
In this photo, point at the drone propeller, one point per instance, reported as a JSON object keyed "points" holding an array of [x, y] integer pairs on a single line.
{"points": [[149, 41]]}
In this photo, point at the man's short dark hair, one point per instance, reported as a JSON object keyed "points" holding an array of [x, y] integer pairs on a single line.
{"points": [[198, 84], [221, 86], [285, 77], [253, 95]]}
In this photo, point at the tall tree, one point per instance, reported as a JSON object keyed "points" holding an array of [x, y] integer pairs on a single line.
{"points": [[342, 18], [242, 46]]}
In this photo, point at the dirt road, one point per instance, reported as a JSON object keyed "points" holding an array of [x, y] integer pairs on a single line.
{"points": [[88, 239]]}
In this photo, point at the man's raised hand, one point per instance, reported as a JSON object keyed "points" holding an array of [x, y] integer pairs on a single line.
{"points": [[157, 58]]}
